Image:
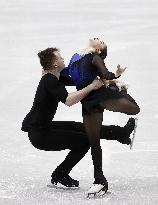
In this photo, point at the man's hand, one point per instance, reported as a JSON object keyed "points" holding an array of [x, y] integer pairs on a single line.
{"points": [[120, 70], [77, 96], [105, 82], [96, 84]]}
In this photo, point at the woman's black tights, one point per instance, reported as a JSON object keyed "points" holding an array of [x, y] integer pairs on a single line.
{"points": [[92, 125], [125, 105]]}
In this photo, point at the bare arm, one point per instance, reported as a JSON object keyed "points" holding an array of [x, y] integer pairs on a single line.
{"points": [[77, 96]]}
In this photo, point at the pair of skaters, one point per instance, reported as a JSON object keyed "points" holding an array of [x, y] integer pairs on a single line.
{"points": [[49, 135]]}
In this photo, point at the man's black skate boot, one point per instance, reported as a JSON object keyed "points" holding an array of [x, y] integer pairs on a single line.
{"points": [[130, 125], [124, 139], [127, 141], [64, 179]]}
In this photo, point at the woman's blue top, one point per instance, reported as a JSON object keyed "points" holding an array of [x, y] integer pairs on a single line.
{"points": [[81, 70]]}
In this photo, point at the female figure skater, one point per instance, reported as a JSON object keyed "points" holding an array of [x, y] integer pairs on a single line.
{"points": [[83, 69]]}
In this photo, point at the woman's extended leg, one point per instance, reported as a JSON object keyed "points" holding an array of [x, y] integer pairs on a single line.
{"points": [[124, 105]]}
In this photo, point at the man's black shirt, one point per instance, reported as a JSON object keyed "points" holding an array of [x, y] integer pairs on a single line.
{"points": [[50, 92]]}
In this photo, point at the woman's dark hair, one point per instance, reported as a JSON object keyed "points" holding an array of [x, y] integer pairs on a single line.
{"points": [[47, 57], [103, 53]]}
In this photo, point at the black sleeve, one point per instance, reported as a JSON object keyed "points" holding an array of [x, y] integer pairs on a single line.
{"points": [[117, 77], [67, 80], [56, 89], [102, 70]]}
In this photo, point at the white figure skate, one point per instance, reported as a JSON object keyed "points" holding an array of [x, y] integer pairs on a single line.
{"points": [[97, 189]]}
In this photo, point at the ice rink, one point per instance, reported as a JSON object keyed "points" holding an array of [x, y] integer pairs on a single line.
{"points": [[130, 29]]}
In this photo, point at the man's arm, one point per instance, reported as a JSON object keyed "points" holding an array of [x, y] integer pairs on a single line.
{"points": [[59, 92], [77, 96]]}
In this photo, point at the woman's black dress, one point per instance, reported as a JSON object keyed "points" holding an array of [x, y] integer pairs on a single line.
{"points": [[83, 70]]}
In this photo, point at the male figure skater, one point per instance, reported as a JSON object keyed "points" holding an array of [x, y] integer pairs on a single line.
{"points": [[48, 135]]}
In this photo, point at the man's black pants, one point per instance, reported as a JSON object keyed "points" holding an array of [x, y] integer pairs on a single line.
{"points": [[70, 135]]}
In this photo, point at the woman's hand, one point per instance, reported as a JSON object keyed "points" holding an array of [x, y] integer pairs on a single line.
{"points": [[120, 70], [121, 85]]}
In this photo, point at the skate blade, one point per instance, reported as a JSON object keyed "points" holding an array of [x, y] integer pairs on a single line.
{"points": [[62, 187], [134, 133], [100, 193]]}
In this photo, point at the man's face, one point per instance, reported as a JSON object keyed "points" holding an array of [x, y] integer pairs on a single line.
{"points": [[59, 62]]}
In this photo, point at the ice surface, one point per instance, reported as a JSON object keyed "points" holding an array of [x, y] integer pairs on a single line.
{"points": [[130, 29]]}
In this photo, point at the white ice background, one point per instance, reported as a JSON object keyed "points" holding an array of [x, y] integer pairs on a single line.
{"points": [[130, 29]]}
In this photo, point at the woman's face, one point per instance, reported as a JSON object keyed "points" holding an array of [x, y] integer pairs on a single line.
{"points": [[96, 43]]}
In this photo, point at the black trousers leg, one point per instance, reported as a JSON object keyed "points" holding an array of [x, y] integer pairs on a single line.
{"points": [[57, 139], [110, 132], [68, 125], [70, 135]]}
